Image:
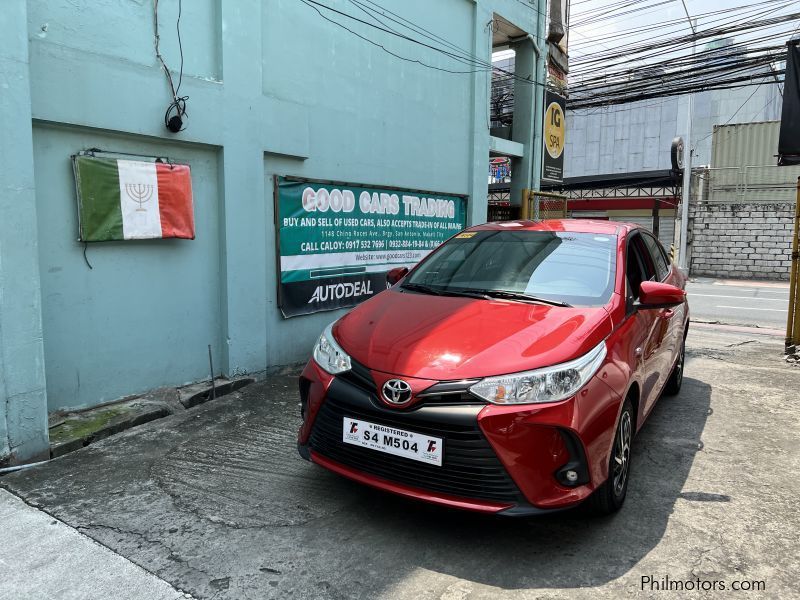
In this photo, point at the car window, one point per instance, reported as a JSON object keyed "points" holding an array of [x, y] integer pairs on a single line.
{"points": [[639, 266], [576, 268], [657, 255]]}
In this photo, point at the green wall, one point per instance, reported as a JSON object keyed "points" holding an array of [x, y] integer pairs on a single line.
{"points": [[273, 89]]}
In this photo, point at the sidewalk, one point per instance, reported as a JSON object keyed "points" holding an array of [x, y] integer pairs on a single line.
{"points": [[41, 557]]}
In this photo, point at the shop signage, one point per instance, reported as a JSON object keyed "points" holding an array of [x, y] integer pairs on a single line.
{"points": [[554, 138], [337, 241]]}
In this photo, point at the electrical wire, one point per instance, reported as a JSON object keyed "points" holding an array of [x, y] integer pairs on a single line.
{"points": [[628, 32], [626, 52], [733, 65], [311, 4], [454, 53], [619, 82], [724, 17], [371, 12], [176, 111]]}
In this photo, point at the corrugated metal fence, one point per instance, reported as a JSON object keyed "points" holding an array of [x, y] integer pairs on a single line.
{"points": [[750, 183], [744, 166]]}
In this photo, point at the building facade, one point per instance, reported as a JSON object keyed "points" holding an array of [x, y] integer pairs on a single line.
{"points": [[274, 88], [637, 137]]}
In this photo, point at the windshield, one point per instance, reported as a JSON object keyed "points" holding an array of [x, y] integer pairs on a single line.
{"points": [[563, 267]]}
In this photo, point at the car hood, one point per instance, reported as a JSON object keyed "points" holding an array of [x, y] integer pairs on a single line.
{"points": [[448, 338]]}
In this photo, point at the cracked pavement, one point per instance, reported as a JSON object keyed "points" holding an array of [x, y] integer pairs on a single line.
{"points": [[217, 502]]}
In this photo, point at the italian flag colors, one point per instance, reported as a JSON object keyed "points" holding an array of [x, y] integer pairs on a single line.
{"points": [[132, 200]]}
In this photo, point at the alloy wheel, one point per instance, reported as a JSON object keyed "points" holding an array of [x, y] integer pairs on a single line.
{"points": [[622, 453], [679, 365]]}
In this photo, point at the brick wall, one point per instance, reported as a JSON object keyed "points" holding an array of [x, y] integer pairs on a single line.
{"points": [[741, 241]]}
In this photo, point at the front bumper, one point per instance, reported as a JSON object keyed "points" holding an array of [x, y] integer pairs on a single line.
{"points": [[497, 459]]}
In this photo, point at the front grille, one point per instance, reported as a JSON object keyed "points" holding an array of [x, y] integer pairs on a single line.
{"points": [[469, 468], [447, 393]]}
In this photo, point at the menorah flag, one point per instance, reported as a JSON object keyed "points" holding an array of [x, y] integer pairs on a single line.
{"points": [[132, 200]]}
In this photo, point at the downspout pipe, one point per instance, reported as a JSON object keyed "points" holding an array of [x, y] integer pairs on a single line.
{"points": [[541, 84], [533, 178], [536, 47]]}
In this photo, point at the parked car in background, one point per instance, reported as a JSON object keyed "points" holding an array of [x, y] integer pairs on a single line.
{"points": [[508, 372]]}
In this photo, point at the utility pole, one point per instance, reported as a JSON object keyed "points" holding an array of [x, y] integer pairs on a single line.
{"points": [[687, 159]]}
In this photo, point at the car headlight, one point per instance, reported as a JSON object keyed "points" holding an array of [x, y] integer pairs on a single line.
{"points": [[329, 355], [550, 384]]}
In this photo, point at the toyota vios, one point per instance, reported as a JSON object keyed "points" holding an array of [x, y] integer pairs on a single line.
{"points": [[508, 372]]}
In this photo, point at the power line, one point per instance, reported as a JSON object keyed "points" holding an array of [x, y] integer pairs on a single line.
{"points": [[747, 9], [378, 45], [627, 52], [747, 14], [598, 19], [484, 65], [750, 97], [688, 17]]}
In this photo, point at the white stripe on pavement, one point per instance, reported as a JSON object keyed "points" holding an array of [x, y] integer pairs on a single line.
{"points": [[781, 310], [692, 294], [754, 290]]}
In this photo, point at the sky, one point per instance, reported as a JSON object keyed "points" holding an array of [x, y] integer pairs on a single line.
{"points": [[587, 38]]}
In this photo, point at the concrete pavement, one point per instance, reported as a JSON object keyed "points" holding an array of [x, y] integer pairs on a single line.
{"points": [[739, 302], [42, 558], [216, 502]]}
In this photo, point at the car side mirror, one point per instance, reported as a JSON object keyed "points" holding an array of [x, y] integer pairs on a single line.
{"points": [[653, 294], [395, 275]]}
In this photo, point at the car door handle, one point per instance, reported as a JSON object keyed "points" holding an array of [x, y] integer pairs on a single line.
{"points": [[667, 314]]}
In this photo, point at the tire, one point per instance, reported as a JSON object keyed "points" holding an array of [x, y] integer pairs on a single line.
{"points": [[609, 497], [673, 385]]}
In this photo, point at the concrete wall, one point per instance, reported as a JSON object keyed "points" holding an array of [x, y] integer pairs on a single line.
{"points": [[741, 241], [146, 311], [23, 404], [741, 217], [273, 89]]}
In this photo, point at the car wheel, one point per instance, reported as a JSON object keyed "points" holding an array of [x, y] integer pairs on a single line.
{"points": [[608, 498], [673, 385]]}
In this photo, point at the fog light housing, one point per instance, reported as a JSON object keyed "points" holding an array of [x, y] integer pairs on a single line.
{"points": [[576, 471]]}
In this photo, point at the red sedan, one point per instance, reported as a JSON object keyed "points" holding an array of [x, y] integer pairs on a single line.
{"points": [[508, 372]]}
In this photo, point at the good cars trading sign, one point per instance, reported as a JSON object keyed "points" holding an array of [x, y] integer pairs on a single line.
{"points": [[337, 241], [554, 136]]}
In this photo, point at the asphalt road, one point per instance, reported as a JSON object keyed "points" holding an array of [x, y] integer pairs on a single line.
{"points": [[763, 304], [216, 502]]}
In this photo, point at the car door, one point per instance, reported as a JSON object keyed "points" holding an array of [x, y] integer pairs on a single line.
{"points": [[649, 331], [671, 318]]}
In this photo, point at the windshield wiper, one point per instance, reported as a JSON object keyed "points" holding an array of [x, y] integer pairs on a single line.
{"points": [[522, 297], [425, 289], [480, 294]]}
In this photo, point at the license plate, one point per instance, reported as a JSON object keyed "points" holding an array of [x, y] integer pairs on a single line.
{"points": [[390, 440]]}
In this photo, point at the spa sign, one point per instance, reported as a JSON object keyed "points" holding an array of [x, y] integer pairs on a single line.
{"points": [[337, 241], [554, 138]]}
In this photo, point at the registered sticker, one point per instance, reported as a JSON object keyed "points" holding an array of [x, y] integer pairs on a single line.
{"points": [[390, 440]]}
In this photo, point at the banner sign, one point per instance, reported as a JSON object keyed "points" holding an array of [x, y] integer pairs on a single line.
{"points": [[554, 137], [789, 137], [337, 241], [132, 199]]}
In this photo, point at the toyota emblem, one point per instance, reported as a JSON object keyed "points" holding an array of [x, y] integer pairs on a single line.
{"points": [[396, 391]]}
